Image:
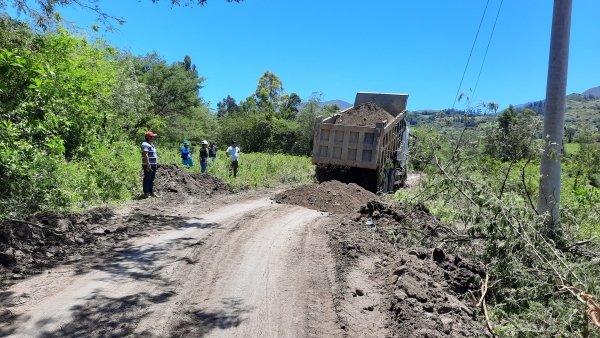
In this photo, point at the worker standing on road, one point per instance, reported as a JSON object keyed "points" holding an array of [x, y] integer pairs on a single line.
{"points": [[186, 155], [212, 151], [233, 152], [204, 155], [149, 162]]}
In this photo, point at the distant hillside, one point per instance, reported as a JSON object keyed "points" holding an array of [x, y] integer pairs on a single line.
{"points": [[592, 92], [342, 104], [584, 106]]}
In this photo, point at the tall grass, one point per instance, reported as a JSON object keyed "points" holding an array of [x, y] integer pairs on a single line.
{"points": [[255, 169]]}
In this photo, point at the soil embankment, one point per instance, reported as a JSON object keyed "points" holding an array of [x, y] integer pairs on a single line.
{"points": [[29, 245], [332, 196], [393, 279]]}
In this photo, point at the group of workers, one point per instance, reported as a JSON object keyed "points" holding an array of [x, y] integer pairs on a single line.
{"points": [[208, 151]]}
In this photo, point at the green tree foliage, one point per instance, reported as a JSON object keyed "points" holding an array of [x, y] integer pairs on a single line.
{"points": [[512, 140], [173, 90], [269, 90], [535, 283], [584, 168], [507, 119], [62, 97], [289, 106], [227, 106]]}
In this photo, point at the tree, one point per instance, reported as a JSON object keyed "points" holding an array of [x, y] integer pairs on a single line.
{"points": [[586, 159], [570, 132], [289, 106], [512, 140], [44, 12], [507, 118], [187, 62], [173, 90], [269, 90], [330, 109], [227, 106]]}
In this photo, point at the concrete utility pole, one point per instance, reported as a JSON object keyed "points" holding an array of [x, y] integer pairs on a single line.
{"points": [[554, 119]]}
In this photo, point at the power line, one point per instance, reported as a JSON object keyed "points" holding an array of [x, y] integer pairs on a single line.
{"points": [[488, 47], [471, 53]]}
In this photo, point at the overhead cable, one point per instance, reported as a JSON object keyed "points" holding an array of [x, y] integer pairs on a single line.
{"points": [[488, 47], [471, 53]]}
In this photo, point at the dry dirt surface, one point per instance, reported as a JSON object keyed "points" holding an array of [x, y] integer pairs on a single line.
{"points": [[241, 266], [333, 196], [365, 115], [327, 260], [395, 283]]}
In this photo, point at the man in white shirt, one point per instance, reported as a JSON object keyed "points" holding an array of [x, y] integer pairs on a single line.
{"points": [[233, 153]]}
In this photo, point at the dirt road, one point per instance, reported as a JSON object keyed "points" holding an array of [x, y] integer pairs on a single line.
{"points": [[246, 269]]}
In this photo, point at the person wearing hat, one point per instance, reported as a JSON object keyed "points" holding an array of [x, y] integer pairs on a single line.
{"points": [[233, 153], [204, 156], [186, 155], [149, 161]]}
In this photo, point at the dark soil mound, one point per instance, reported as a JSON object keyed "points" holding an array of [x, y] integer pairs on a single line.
{"points": [[33, 243], [366, 178], [425, 291], [332, 196], [365, 115], [173, 179]]}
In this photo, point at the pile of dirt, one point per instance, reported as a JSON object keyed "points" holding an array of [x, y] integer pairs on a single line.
{"points": [[422, 290], [36, 242], [333, 196], [366, 178], [365, 115], [173, 179]]}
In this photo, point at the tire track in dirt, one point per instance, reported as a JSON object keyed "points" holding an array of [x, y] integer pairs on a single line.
{"points": [[250, 268]]}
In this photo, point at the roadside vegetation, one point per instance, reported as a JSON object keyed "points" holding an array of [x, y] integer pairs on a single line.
{"points": [[74, 110], [484, 180], [256, 170]]}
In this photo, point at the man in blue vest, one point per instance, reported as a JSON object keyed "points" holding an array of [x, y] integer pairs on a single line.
{"points": [[149, 161]]}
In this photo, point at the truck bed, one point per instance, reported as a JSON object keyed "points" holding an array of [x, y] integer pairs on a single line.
{"points": [[353, 146]]}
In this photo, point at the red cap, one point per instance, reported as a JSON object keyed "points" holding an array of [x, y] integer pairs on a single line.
{"points": [[149, 133]]}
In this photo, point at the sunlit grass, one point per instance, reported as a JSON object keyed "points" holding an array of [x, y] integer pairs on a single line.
{"points": [[571, 148], [255, 169]]}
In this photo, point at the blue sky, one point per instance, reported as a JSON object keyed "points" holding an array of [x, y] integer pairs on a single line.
{"points": [[340, 47]]}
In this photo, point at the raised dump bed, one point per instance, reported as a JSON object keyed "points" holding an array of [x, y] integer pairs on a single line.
{"points": [[379, 148]]}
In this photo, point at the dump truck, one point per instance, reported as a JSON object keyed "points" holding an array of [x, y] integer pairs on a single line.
{"points": [[374, 157]]}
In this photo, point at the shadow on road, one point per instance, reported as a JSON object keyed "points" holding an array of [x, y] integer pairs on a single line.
{"points": [[199, 323], [103, 316]]}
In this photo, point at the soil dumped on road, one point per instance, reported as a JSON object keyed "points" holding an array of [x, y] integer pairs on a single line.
{"points": [[365, 115], [333, 196], [29, 245], [174, 180], [422, 290], [366, 178]]}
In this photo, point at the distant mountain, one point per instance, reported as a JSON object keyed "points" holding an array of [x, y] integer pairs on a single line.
{"points": [[584, 106], [538, 106], [592, 92], [342, 104]]}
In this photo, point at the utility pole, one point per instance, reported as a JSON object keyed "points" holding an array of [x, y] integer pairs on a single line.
{"points": [[554, 119]]}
